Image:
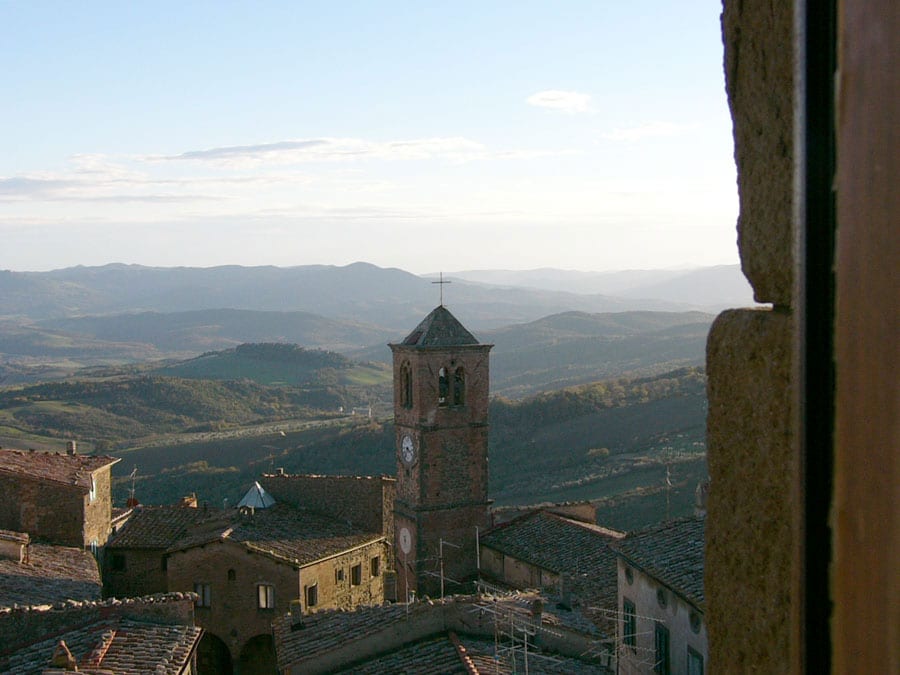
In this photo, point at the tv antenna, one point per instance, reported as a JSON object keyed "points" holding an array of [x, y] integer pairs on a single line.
{"points": [[441, 282]]}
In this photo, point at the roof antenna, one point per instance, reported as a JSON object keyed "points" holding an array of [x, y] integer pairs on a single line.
{"points": [[441, 283]]}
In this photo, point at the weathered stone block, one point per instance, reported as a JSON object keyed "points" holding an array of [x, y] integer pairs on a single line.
{"points": [[759, 63], [750, 534]]}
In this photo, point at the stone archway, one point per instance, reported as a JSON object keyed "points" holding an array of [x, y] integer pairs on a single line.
{"points": [[213, 656], [258, 656]]}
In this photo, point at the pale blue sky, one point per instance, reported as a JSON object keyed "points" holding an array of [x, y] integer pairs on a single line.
{"points": [[587, 135]]}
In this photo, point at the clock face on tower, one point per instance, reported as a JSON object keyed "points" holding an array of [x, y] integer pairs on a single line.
{"points": [[405, 541], [407, 450]]}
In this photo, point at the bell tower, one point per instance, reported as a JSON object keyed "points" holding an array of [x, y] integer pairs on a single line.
{"points": [[441, 392]]}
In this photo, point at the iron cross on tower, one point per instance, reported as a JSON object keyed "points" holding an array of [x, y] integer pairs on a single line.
{"points": [[441, 283]]}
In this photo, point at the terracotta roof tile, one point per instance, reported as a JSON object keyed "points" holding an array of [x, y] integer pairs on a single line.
{"points": [[578, 550], [672, 553], [122, 646], [439, 329], [52, 574], [281, 531], [56, 467]]}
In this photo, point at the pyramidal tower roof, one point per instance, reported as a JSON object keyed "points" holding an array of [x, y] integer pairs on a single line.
{"points": [[257, 497], [439, 329]]}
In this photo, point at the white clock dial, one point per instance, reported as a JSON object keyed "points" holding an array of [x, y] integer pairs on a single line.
{"points": [[405, 541], [407, 449]]}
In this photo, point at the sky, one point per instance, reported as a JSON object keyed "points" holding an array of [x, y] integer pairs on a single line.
{"points": [[587, 135]]}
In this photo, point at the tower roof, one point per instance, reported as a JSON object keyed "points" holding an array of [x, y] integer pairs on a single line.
{"points": [[439, 329], [257, 497]]}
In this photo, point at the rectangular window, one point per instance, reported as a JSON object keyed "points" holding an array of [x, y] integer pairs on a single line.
{"points": [[376, 566], [92, 495], [339, 575], [662, 650], [629, 623], [356, 575], [204, 594], [265, 596], [312, 595], [694, 662]]}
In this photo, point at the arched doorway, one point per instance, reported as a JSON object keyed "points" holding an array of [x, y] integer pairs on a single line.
{"points": [[258, 656], [213, 657]]}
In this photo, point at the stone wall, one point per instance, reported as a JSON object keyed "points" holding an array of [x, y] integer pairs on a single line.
{"points": [[335, 583], [47, 511], [98, 511], [366, 501], [752, 527], [137, 572]]}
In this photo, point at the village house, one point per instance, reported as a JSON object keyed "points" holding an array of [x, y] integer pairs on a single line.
{"points": [[569, 558], [247, 565], [142, 635], [661, 599], [56, 498], [517, 632]]}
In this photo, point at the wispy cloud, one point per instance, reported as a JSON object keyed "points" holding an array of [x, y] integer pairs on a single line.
{"points": [[335, 150], [649, 130], [564, 101]]}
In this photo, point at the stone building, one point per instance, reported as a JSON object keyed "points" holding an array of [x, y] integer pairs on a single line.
{"points": [[516, 633], [568, 558], [57, 498], [247, 565], [661, 600], [441, 386]]}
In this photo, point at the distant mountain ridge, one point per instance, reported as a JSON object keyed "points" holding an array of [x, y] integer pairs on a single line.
{"points": [[383, 297]]}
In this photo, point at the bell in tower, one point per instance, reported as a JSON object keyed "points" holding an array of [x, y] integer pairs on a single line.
{"points": [[441, 388]]}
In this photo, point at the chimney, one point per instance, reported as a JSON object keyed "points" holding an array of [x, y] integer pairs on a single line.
{"points": [[71, 448], [190, 501]]}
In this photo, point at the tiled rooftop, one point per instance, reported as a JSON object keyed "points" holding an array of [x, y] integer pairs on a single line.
{"points": [[121, 646], [672, 553], [52, 574], [566, 546], [330, 631], [439, 329], [159, 527], [56, 467], [280, 531]]}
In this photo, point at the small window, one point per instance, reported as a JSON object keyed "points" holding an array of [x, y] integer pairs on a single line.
{"points": [[375, 565], [204, 594], [443, 387], [356, 575], [629, 575], [117, 562], [662, 598], [661, 640], [265, 596], [232, 575], [339, 575], [92, 495], [629, 623], [312, 595], [459, 387], [694, 662], [164, 563]]}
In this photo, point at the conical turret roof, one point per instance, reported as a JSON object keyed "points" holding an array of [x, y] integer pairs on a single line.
{"points": [[257, 497], [439, 329]]}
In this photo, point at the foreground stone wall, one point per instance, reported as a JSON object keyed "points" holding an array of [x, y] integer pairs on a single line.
{"points": [[752, 525]]}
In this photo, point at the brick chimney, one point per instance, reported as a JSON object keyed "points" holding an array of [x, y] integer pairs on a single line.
{"points": [[71, 447]]}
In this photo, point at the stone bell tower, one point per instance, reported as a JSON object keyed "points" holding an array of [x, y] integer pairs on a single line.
{"points": [[441, 391]]}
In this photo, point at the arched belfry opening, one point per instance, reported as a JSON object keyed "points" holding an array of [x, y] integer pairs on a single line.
{"points": [[459, 386], [443, 387], [406, 387]]}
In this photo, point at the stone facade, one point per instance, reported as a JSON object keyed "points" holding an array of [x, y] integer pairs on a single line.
{"points": [[365, 501], [59, 499]]}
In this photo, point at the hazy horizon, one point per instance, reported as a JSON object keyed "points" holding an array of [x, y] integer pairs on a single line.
{"points": [[580, 136]]}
